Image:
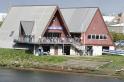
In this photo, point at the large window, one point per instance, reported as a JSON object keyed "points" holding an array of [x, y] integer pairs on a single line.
{"points": [[97, 36]]}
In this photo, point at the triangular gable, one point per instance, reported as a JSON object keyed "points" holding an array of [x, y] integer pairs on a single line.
{"points": [[27, 26], [55, 24], [62, 25], [99, 28]]}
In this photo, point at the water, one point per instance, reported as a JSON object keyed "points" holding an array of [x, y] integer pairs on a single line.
{"points": [[9, 75]]}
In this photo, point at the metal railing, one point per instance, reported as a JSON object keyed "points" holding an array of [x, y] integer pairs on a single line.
{"points": [[48, 40], [26, 39], [58, 40]]}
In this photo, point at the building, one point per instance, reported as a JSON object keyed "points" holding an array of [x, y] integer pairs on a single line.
{"points": [[109, 20], [48, 29], [2, 16], [89, 24], [117, 28], [115, 23]]}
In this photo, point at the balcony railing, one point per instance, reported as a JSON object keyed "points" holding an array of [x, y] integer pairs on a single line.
{"points": [[55, 40], [25, 39], [47, 40]]}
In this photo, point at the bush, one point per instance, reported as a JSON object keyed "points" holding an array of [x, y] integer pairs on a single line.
{"points": [[117, 36]]}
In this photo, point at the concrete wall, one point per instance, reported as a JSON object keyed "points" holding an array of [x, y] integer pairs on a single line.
{"points": [[97, 50], [60, 51]]}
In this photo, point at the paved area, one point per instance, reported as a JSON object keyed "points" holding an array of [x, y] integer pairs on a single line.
{"points": [[84, 64]]}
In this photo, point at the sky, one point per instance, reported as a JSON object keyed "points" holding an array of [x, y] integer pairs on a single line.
{"points": [[107, 7]]}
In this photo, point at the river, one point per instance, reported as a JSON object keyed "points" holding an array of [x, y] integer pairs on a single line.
{"points": [[10, 75]]}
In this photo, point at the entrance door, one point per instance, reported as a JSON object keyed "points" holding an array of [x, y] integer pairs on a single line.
{"points": [[67, 50]]}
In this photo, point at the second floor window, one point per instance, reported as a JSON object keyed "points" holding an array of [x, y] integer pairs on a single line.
{"points": [[97, 36]]}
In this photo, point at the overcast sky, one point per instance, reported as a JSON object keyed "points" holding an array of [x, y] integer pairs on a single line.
{"points": [[106, 6]]}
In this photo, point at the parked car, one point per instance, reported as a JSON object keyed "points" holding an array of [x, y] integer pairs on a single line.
{"points": [[119, 43]]}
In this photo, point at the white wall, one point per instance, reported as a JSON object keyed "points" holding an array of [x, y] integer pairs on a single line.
{"points": [[97, 50], [60, 51], [72, 51], [52, 50], [111, 48]]}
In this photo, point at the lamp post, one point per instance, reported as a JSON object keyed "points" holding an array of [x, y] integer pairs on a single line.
{"points": [[63, 44], [83, 40]]}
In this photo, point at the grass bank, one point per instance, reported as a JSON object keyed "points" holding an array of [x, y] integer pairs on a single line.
{"points": [[19, 58]]}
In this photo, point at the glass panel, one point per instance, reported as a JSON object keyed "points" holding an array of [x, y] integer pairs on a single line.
{"points": [[93, 36], [101, 37], [55, 28], [89, 36], [97, 36], [104, 37]]}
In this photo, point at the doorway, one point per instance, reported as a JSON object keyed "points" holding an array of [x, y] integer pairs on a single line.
{"points": [[66, 49], [89, 50], [46, 48]]}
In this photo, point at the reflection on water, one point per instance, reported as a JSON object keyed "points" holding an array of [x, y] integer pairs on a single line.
{"points": [[8, 75]]}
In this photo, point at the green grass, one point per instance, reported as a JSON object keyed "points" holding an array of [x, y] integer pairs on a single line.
{"points": [[10, 57]]}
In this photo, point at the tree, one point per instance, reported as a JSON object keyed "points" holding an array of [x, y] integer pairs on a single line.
{"points": [[117, 36], [1, 23]]}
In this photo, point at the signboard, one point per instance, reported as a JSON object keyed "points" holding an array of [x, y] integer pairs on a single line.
{"points": [[55, 28]]}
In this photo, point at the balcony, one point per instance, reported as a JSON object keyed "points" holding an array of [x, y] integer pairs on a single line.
{"points": [[47, 40]]}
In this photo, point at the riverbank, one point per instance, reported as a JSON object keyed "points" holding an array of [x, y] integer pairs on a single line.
{"points": [[101, 65]]}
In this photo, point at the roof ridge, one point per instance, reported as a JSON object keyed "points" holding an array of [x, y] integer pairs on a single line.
{"points": [[77, 7], [32, 5]]}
